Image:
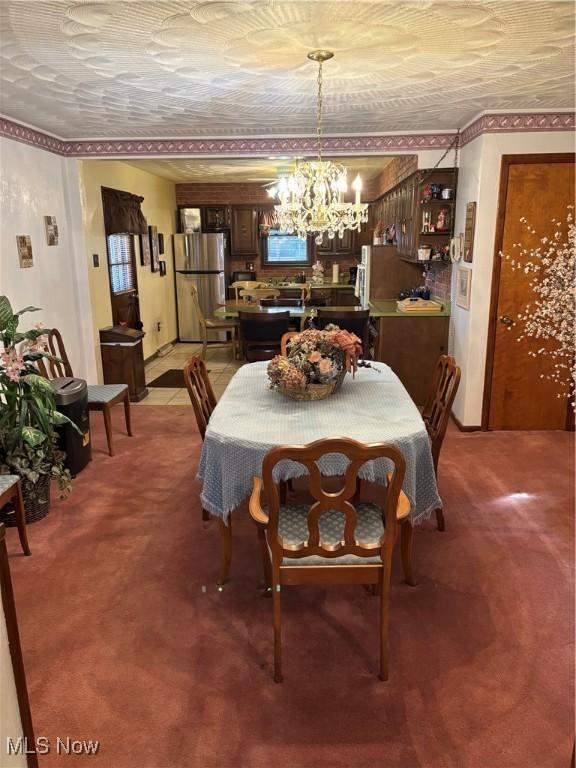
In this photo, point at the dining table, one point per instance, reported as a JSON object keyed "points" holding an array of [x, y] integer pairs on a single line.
{"points": [[251, 418]]}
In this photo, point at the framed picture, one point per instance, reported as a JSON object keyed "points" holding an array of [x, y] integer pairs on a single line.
{"points": [[144, 250], [51, 230], [469, 228], [162, 268], [154, 250], [463, 282], [24, 244]]}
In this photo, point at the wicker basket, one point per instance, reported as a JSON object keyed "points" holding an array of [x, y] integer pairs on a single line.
{"points": [[315, 391], [36, 505]]}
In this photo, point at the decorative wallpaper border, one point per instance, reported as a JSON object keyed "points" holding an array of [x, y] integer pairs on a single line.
{"points": [[491, 123], [517, 121]]}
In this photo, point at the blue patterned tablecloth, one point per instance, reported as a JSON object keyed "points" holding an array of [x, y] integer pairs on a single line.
{"points": [[250, 419]]}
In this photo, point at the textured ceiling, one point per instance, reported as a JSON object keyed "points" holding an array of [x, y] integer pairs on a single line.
{"points": [[239, 67], [250, 170]]}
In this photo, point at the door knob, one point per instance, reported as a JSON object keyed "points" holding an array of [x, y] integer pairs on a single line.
{"points": [[507, 320]]}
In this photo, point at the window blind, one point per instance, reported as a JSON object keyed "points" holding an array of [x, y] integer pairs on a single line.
{"points": [[286, 248], [121, 263]]}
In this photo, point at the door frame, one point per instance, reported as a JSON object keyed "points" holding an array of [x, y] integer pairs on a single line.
{"points": [[506, 162]]}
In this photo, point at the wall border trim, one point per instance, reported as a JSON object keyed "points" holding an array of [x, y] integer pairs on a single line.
{"points": [[239, 147]]}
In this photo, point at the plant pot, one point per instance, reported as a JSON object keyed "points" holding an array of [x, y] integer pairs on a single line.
{"points": [[36, 502]]}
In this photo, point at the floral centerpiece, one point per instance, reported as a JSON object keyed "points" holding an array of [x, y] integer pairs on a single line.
{"points": [[28, 415], [316, 363]]}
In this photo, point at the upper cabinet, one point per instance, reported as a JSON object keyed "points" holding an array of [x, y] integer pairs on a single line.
{"points": [[345, 246], [417, 216], [245, 232], [215, 217]]}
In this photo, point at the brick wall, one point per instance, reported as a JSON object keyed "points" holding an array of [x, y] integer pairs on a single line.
{"points": [[395, 172], [229, 194], [439, 279]]}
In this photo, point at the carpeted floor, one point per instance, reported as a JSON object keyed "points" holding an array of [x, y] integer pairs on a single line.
{"points": [[127, 640]]}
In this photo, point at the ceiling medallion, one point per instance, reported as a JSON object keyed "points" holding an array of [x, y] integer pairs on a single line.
{"points": [[312, 197]]}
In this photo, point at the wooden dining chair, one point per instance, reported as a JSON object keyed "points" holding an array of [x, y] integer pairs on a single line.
{"points": [[242, 284], [101, 397], [284, 342], [353, 320], [261, 333], [201, 395], [257, 294], [11, 493], [437, 409], [208, 324], [333, 541]]}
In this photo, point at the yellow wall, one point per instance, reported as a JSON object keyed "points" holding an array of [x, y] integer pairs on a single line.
{"points": [[157, 296]]}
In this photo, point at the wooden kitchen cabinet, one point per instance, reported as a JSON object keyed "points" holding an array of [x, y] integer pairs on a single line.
{"points": [[337, 247], [245, 240], [411, 346], [215, 217]]}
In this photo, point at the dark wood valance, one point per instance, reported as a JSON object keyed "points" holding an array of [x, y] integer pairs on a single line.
{"points": [[122, 213]]}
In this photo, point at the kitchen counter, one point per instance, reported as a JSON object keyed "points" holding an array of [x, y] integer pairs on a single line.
{"points": [[388, 308], [378, 308]]}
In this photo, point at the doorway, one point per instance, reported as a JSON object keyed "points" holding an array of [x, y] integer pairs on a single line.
{"points": [[517, 394]]}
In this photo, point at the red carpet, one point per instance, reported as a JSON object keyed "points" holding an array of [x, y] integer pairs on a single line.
{"points": [[127, 640]]}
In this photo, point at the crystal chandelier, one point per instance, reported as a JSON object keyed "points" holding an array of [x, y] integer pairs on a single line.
{"points": [[312, 197]]}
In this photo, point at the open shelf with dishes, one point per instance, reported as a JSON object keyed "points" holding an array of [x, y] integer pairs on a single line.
{"points": [[418, 214]]}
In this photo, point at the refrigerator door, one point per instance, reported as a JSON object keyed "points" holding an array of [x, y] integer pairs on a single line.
{"points": [[199, 253], [211, 294], [213, 249]]}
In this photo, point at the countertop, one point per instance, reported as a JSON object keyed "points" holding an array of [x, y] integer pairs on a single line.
{"points": [[388, 308], [378, 308]]}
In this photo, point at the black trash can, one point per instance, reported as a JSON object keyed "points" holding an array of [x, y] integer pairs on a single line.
{"points": [[72, 400]]}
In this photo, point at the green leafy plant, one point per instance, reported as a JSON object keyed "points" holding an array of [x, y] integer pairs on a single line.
{"points": [[28, 414]]}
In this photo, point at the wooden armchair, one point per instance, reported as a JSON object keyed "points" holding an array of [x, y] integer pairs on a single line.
{"points": [[437, 409], [333, 541], [208, 324], [101, 397]]}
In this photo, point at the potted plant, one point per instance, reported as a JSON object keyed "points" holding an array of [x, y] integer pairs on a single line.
{"points": [[28, 416]]}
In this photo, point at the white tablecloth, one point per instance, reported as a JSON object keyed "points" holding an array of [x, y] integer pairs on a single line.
{"points": [[250, 419]]}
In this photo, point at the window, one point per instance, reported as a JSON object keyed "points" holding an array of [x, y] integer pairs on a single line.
{"points": [[283, 248], [121, 263]]}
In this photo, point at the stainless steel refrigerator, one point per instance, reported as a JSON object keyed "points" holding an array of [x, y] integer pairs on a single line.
{"points": [[199, 261]]}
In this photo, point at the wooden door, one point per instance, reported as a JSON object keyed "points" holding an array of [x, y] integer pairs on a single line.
{"points": [[244, 232], [517, 394]]}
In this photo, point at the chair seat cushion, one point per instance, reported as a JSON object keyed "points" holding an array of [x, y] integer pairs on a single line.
{"points": [[293, 527], [104, 393], [7, 481]]}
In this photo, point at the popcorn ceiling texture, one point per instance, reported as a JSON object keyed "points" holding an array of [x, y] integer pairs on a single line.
{"points": [[238, 68]]}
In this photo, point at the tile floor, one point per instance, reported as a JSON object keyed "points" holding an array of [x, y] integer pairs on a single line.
{"points": [[219, 361]]}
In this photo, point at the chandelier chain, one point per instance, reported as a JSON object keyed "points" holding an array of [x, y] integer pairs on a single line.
{"points": [[319, 112]]}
